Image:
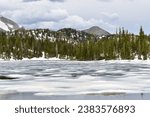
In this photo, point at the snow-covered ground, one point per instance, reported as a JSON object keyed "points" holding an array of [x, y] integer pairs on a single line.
{"points": [[41, 58], [33, 59]]}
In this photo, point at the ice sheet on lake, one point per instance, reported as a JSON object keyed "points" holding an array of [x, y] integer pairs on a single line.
{"points": [[75, 78]]}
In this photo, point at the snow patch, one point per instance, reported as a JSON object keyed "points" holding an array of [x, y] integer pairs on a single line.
{"points": [[9, 25], [3, 26]]}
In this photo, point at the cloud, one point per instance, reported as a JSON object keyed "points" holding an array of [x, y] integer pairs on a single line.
{"points": [[6, 5], [112, 0], [41, 0], [44, 14], [81, 23], [109, 16], [105, 0], [42, 24], [73, 21], [30, 0], [34, 15], [57, 0]]}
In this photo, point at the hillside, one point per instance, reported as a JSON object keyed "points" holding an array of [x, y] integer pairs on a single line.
{"points": [[68, 34], [66, 44]]}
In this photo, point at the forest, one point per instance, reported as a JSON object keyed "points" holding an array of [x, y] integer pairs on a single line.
{"points": [[120, 46]]}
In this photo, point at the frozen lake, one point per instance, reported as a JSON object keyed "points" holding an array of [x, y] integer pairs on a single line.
{"points": [[75, 80]]}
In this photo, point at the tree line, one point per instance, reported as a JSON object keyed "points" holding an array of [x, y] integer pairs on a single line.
{"points": [[122, 45]]}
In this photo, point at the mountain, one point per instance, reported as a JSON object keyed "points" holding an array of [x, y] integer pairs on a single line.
{"points": [[75, 34], [97, 31], [72, 35], [7, 24]]}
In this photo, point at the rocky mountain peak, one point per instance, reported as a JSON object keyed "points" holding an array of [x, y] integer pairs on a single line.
{"points": [[95, 30]]}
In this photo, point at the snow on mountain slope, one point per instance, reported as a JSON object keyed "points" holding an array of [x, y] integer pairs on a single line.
{"points": [[7, 24], [3, 26]]}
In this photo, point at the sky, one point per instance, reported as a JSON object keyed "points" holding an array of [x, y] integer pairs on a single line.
{"points": [[79, 14]]}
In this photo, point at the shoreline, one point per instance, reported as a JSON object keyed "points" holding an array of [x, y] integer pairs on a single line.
{"points": [[58, 59]]}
